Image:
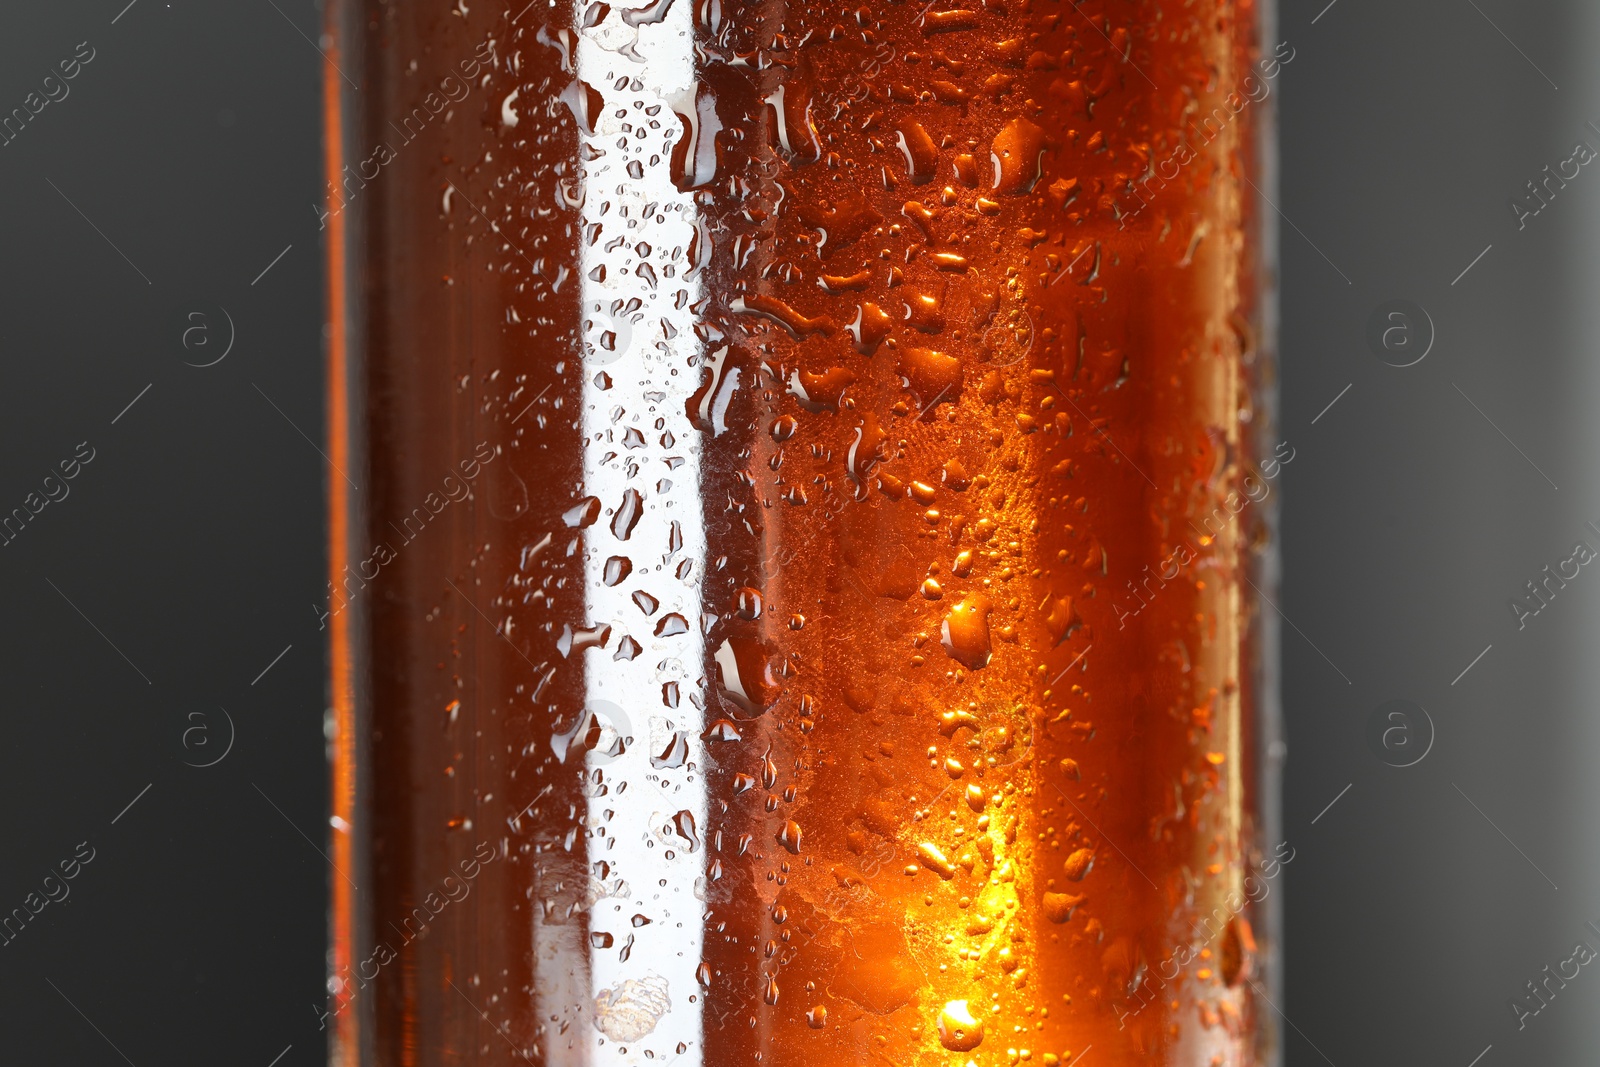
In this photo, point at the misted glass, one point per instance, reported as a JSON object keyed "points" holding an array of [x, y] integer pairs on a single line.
{"points": [[794, 596]]}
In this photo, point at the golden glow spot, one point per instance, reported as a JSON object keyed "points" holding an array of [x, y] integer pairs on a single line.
{"points": [[958, 1030]]}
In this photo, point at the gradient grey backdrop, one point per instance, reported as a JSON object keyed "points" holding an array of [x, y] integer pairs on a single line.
{"points": [[188, 553]]}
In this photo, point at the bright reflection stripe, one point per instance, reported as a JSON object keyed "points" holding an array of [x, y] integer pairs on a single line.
{"points": [[638, 331]]}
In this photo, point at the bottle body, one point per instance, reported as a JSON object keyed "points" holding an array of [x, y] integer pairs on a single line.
{"points": [[797, 601]]}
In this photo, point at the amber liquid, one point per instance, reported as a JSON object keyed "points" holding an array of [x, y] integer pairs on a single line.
{"points": [[795, 606]]}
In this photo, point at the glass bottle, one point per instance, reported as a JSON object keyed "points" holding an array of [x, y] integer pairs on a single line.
{"points": [[794, 596]]}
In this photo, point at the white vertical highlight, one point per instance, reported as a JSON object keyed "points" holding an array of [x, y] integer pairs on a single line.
{"points": [[638, 329]]}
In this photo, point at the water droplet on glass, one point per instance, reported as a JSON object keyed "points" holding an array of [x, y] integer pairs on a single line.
{"points": [[965, 632], [959, 1031]]}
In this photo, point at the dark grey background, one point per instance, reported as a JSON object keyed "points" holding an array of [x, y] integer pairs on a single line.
{"points": [[190, 548], [192, 541], [1426, 897]]}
